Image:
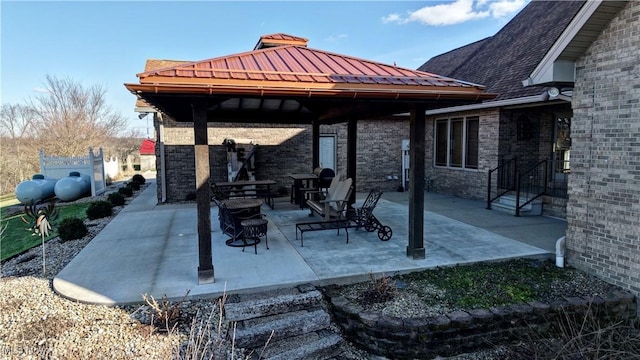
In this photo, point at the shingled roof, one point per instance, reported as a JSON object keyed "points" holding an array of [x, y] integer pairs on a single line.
{"points": [[503, 61]]}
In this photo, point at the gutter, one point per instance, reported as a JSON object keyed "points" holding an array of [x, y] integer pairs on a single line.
{"points": [[498, 103]]}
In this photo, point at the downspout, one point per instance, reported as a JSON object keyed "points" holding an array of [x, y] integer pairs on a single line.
{"points": [[560, 251]]}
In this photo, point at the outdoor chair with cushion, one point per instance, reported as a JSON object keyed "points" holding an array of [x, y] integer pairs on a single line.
{"points": [[321, 193], [334, 205]]}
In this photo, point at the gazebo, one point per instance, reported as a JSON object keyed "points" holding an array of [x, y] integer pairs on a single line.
{"points": [[283, 81]]}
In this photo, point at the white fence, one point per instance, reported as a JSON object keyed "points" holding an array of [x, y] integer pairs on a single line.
{"points": [[92, 165]]}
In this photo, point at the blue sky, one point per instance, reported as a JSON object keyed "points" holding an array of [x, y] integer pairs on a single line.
{"points": [[107, 42]]}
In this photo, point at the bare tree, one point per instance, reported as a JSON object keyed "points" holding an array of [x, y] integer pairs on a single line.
{"points": [[64, 121], [70, 118], [18, 148], [16, 121]]}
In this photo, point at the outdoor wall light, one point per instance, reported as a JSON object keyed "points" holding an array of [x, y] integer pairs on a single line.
{"points": [[553, 92]]}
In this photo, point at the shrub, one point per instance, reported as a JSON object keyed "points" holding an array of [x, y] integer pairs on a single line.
{"points": [[134, 185], [139, 179], [126, 191], [71, 228], [99, 209], [116, 199], [191, 195]]}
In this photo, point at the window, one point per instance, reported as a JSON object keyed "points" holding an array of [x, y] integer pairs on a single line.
{"points": [[457, 142]]}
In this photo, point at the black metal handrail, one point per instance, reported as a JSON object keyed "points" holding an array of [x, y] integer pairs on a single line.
{"points": [[245, 162], [506, 179], [532, 183]]}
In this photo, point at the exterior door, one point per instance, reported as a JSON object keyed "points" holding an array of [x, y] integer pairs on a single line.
{"points": [[328, 152]]}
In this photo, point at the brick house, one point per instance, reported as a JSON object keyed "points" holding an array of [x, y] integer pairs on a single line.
{"points": [[524, 127], [581, 60]]}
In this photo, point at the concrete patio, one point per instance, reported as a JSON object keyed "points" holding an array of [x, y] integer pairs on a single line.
{"points": [[152, 249]]}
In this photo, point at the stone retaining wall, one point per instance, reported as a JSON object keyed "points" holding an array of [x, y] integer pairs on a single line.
{"points": [[461, 331]]}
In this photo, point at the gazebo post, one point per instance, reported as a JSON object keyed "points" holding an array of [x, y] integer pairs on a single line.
{"points": [[315, 144], [203, 191], [352, 146], [415, 249]]}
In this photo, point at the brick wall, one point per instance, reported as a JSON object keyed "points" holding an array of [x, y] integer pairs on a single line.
{"points": [[379, 154], [284, 149], [603, 211]]}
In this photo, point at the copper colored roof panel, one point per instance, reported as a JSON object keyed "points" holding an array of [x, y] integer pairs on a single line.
{"points": [[297, 64], [154, 64]]}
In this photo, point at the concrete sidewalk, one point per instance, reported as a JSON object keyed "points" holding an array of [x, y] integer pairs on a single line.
{"points": [[152, 249]]}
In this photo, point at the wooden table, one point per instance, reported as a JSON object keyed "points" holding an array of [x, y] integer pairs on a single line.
{"points": [[296, 189], [243, 183], [245, 189]]}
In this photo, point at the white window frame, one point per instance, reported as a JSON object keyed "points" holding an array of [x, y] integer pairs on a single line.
{"points": [[465, 142]]}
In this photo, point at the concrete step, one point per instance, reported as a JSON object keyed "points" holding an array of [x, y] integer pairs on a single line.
{"points": [[283, 324], [271, 303], [313, 346], [507, 204], [254, 333]]}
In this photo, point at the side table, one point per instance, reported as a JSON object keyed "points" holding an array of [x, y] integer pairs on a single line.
{"points": [[255, 229]]}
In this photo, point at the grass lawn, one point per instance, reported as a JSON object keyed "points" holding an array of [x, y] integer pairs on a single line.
{"points": [[16, 238]]}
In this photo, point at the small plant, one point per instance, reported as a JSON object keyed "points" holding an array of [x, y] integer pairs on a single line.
{"points": [[99, 209], [116, 199], [380, 290], [164, 314], [139, 179], [134, 185], [40, 218], [72, 228], [126, 191]]}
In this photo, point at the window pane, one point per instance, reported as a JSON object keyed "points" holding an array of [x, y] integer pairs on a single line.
{"points": [[441, 143], [471, 160], [455, 156]]}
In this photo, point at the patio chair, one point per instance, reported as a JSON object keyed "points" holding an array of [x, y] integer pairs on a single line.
{"points": [[218, 195], [334, 205], [231, 225], [364, 217], [321, 193]]}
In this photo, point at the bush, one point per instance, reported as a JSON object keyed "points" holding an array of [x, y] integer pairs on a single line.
{"points": [[138, 178], [126, 191], [116, 199], [134, 185], [191, 195], [99, 209], [71, 228]]}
